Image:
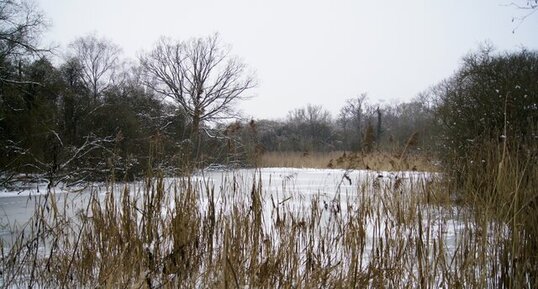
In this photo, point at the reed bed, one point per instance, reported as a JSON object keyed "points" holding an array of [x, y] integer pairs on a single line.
{"points": [[397, 232], [385, 161]]}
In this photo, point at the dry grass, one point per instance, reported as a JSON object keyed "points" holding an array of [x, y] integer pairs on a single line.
{"points": [[402, 233], [374, 161], [500, 185]]}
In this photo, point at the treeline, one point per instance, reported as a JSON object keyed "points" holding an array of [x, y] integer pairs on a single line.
{"points": [[58, 124], [359, 127], [55, 125], [93, 114], [492, 100]]}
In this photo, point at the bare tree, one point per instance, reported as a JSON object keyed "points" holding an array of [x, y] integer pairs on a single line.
{"points": [[353, 110], [310, 114], [21, 25], [311, 126], [98, 59], [352, 114], [199, 75]]}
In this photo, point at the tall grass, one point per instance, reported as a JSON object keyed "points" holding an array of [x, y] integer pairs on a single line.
{"points": [[499, 182], [390, 233], [345, 160]]}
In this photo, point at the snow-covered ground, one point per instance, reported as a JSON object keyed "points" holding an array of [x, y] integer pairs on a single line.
{"points": [[294, 185], [293, 188], [302, 179], [295, 191]]}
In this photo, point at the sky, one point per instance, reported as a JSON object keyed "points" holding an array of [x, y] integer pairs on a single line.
{"points": [[319, 52]]}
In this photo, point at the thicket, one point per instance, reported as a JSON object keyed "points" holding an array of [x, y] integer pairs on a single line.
{"points": [[95, 114], [488, 115], [492, 99]]}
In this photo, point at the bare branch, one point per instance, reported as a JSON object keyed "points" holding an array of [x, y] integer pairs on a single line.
{"points": [[21, 25], [531, 6], [98, 59], [199, 75]]}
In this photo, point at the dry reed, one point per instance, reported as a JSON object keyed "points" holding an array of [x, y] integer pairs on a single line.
{"points": [[345, 160], [398, 233]]}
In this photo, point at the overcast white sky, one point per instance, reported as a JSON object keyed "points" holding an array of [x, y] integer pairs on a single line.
{"points": [[311, 51]]}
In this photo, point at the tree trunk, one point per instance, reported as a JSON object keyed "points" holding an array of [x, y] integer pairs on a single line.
{"points": [[378, 131], [195, 135]]}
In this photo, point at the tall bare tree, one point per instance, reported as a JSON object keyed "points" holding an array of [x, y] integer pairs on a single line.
{"points": [[98, 59], [351, 119], [199, 75], [21, 25], [311, 127]]}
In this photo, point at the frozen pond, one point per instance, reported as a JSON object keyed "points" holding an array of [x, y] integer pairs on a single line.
{"points": [[293, 188], [373, 208]]}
